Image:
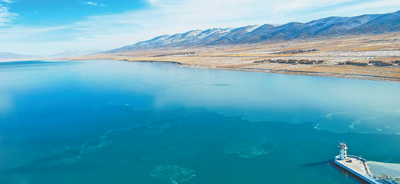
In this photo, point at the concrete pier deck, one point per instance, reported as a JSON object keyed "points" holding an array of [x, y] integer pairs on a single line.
{"points": [[357, 166]]}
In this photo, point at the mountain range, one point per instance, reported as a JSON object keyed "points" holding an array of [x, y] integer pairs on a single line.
{"points": [[326, 27], [8, 56], [74, 53], [4, 56]]}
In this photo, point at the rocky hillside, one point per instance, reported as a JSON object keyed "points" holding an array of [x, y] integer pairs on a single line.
{"points": [[326, 27]]}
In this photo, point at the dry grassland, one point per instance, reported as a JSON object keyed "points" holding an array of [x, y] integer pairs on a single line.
{"points": [[385, 47]]}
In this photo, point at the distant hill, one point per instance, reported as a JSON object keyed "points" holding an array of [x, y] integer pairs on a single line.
{"points": [[326, 27], [7, 56], [74, 53]]}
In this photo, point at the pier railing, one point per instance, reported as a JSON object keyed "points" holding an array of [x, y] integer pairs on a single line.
{"points": [[357, 157]]}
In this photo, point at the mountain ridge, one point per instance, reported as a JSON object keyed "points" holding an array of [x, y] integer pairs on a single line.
{"points": [[74, 53], [5, 56], [321, 28]]}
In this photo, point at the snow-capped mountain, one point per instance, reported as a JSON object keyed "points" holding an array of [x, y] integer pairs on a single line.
{"points": [[326, 27], [235, 35], [381, 24], [191, 38]]}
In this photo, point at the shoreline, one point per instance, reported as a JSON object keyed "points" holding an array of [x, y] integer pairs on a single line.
{"points": [[286, 72], [368, 57], [245, 69], [274, 71]]}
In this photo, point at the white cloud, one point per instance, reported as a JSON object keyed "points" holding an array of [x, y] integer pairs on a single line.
{"points": [[296, 5], [174, 16], [91, 3], [94, 4], [7, 1], [5, 15], [382, 6]]}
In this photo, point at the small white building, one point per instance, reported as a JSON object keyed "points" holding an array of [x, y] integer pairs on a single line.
{"points": [[342, 151]]}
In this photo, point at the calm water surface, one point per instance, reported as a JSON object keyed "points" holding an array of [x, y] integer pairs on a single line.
{"points": [[117, 122]]}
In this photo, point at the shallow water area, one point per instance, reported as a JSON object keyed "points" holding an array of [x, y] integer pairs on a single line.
{"points": [[124, 122], [378, 168]]}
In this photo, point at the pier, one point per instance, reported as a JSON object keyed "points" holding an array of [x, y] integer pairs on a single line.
{"points": [[359, 167]]}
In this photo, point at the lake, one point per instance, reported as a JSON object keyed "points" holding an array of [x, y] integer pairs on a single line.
{"points": [[121, 122]]}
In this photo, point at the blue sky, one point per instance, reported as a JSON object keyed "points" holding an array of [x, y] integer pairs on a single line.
{"points": [[56, 12], [52, 26]]}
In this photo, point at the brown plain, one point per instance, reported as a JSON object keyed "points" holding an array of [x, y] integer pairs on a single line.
{"points": [[245, 57]]}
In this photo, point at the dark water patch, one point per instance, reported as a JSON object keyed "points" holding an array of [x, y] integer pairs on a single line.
{"points": [[313, 164], [26, 63], [219, 85]]}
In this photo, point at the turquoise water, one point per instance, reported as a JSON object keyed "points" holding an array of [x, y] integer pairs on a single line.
{"points": [[131, 123]]}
